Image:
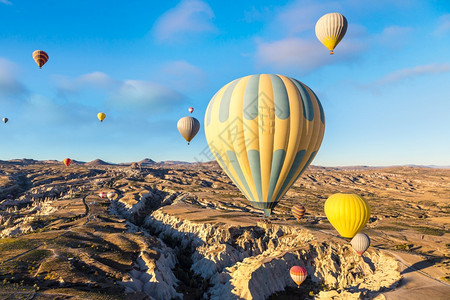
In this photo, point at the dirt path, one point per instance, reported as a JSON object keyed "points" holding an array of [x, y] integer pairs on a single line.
{"points": [[416, 284]]}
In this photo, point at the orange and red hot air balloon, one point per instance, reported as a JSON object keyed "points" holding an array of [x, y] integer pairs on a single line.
{"points": [[298, 274], [40, 57], [191, 110], [67, 161]]}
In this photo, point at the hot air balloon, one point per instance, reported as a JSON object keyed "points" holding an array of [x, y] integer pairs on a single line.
{"points": [[5, 120], [188, 127], [67, 161], [264, 131], [298, 274], [191, 110], [101, 116], [360, 242], [348, 213], [40, 57], [111, 195], [330, 29], [298, 211], [102, 194]]}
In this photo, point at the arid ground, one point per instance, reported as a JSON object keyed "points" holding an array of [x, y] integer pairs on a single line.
{"points": [[184, 231]]}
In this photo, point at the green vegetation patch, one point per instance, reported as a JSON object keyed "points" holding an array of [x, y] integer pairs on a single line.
{"points": [[11, 244], [430, 230], [35, 256]]}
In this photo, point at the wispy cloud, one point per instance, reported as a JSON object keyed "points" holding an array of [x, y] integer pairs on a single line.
{"points": [[124, 94], [139, 94], [188, 17], [302, 54], [9, 85], [95, 80], [301, 16], [394, 37], [443, 26], [183, 76], [409, 73], [6, 2]]}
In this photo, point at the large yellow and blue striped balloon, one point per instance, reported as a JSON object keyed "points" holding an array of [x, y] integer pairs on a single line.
{"points": [[264, 131]]}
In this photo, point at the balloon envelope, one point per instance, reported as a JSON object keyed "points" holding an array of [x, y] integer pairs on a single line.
{"points": [[188, 127], [101, 116], [5, 120], [67, 161], [298, 274], [330, 29], [191, 110], [360, 243], [264, 131], [348, 213], [111, 195], [102, 194], [298, 211], [40, 57]]}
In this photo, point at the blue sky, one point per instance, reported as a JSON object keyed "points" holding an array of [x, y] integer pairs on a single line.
{"points": [[385, 92]]}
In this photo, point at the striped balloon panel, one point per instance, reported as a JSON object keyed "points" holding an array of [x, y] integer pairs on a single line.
{"points": [[330, 29], [298, 274], [360, 243], [40, 57], [298, 211], [264, 131], [188, 127], [348, 213]]}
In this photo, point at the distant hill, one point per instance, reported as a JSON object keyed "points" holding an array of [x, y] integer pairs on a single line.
{"points": [[147, 161], [174, 162], [98, 162], [24, 161]]}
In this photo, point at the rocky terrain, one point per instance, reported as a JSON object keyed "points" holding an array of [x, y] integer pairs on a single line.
{"points": [[184, 231]]}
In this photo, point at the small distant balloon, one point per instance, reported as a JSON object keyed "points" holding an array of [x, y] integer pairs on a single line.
{"points": [[360, 243], [102, 194], [188, 127], [298, 211], [40, 57], [5, 120], [67, 161], [330, 29], [111, 195], [191, 110], [101, 116], [298, 274]]}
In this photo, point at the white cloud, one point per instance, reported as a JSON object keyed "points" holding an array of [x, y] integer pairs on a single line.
{"points": [[9, 85], [183, 76], [124, 94], [303, 55], [139, 94], [6, 2], [188, 17], [394, 37], [301, 16], [443, 25], [95, 80], [408, 73]]}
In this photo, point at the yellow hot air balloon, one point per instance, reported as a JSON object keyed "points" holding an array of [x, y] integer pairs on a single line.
{"points": [[330, 29], [348, 213], [101, 116], [264, 131], [188, 127]]}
